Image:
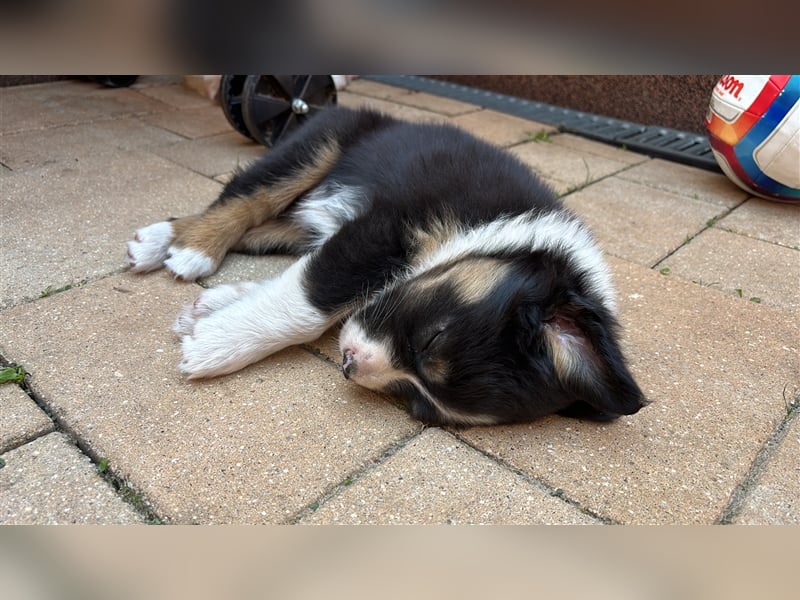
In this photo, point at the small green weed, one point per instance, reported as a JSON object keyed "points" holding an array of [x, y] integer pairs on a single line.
{"points": [[50, 290], [102, 466], [740, 294], [791, 405], [664, 271], [12, 374], [539, 136]]}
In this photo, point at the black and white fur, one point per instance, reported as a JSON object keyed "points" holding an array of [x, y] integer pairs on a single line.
{"points": [[465, 287]]}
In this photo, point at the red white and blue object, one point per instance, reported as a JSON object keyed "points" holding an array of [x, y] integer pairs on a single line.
{"points": [[753, 123]]}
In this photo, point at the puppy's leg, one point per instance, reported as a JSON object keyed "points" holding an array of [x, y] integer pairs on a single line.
{"points": [[198, 250], [194, 247], [230, 327]]}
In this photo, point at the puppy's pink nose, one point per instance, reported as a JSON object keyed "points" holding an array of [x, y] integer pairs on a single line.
{"points": [[348, 363]]}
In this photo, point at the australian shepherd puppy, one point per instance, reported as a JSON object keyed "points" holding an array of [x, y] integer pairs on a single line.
{"points": [[465, 287]]}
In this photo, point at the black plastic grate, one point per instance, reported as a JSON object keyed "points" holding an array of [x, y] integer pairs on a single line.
{"points": [[661, 142]]}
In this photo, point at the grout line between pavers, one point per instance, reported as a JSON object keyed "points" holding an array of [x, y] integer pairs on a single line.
{"points": [[119, 485], [748, 236], [25, 387], [550, 490], [760, 463], [353, 477], [48, 292], [411, 93], [689, 238], [582, 186]]}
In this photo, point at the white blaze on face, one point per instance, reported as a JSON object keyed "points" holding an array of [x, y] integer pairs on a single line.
{"points": [[368, 362]]}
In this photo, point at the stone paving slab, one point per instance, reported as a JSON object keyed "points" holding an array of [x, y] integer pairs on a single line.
{"points": [[401, 111], [75, 143], [438, 104], [436, 479], [715, 368], [740, 265], [767, 221], [215, 155], [78, 217], [243, 267], [20, 419], [175, 95], [638, 222], [585, 145], [570, 167], [687, 181], [775, 497], [54, 104], [499, 128], [375, 89], [255, 447], [49, 482], [192, 123]]}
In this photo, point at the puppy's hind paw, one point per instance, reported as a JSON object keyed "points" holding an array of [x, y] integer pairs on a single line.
{"points": [[189, 264], [148, 249]]}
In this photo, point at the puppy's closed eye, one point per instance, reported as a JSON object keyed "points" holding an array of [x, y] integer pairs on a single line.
{"points": [[427, 341], [426, 356]]}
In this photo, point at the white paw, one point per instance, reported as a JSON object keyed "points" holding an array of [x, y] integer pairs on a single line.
{"points": [[148, 248], [218, 347], [188, 264], [208, 302]]}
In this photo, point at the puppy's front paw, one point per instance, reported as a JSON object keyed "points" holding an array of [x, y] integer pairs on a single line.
{"points": [[208, 302], [148, 249], [215, 349]]}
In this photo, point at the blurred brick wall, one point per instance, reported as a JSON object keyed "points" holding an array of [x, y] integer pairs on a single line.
{"points": [[677, 101]]}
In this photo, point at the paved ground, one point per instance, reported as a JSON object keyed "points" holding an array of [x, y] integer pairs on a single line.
{"points": [[105, 430]]}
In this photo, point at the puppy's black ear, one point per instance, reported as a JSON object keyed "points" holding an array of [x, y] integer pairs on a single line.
{"points": [[580, 338]]}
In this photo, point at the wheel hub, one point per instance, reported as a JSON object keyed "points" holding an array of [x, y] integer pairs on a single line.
{"points": [[299, 106]]}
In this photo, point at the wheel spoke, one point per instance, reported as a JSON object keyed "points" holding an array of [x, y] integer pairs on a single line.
{"points": [[317, 89], [280, 125], [265, 108], [284, 85]]}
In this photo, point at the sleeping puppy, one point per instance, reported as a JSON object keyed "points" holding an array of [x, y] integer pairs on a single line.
{"points": [[465, 288]]}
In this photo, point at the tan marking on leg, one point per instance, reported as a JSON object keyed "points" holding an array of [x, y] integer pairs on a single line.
{"points": [[272, 234], [273, 200], [222, 226]]}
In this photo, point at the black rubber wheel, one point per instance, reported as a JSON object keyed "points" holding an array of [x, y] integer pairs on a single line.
{"points": [[115, 80], [273, 105], [230, 97]]}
